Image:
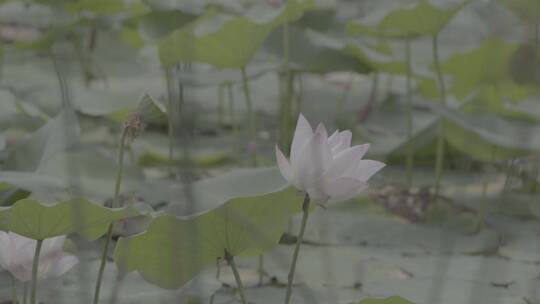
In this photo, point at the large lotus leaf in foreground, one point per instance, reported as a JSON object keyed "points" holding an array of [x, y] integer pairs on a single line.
{"points": [[37, 221], [175, 249]]}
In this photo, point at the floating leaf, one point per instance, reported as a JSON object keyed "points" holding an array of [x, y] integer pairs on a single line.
{"points": [[30, 181], [231, 45], [37, 221], [174, 249], [487, 136]]}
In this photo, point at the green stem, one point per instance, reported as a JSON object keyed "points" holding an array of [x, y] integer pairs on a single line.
{"points": [[13, 290], [170, 126], [537, 36], [218, 269], [230, 260], [220, 104], [114, 205], [260, 270], [35, 266], [439, 160], [305, 209], [286, 109], [251, 114], [344, 95], [410, 146], [233, 117], [25, 292], [286, 44]]}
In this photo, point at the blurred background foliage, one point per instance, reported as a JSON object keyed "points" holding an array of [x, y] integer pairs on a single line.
{"points": [[447, 93]]}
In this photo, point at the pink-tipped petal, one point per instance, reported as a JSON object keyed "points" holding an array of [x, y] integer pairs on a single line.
{"points": [[341, 141], [321, 129], [343, 188], [316, 158], [366, 168], [334, 139], [344, 163], [284, 166], [346, 138], [52, 246], [302, 134]]}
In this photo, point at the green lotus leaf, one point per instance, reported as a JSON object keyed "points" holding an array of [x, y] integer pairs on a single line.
{"points": [[175, 249], [526, 9], [486, 65], [100, 7], [38, 221], [231, 45], [421, 20]]}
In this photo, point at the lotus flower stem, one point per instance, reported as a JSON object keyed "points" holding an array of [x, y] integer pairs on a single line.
{"points": [[305, 209], [230, 260], [251, 114], [35, 265], [439, 160], [410, 146], [114, 205]]}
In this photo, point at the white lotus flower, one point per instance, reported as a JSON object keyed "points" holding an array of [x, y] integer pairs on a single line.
{"points": [[17, 254], [327, 168]]}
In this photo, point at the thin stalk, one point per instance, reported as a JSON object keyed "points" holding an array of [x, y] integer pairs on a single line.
{"points": [[365, 111], [25, 292], [288, 107], [537, 35], [251, 115], [305, 209], [439, 160], [170, 126], [344, 95], [230, 260], [286, 102], [233, 117], [260, 270], [410, 147], [35, 266], [286, 44], [220, 106], [1, 61], [218, 269], [114, 205], [13, 290]]}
